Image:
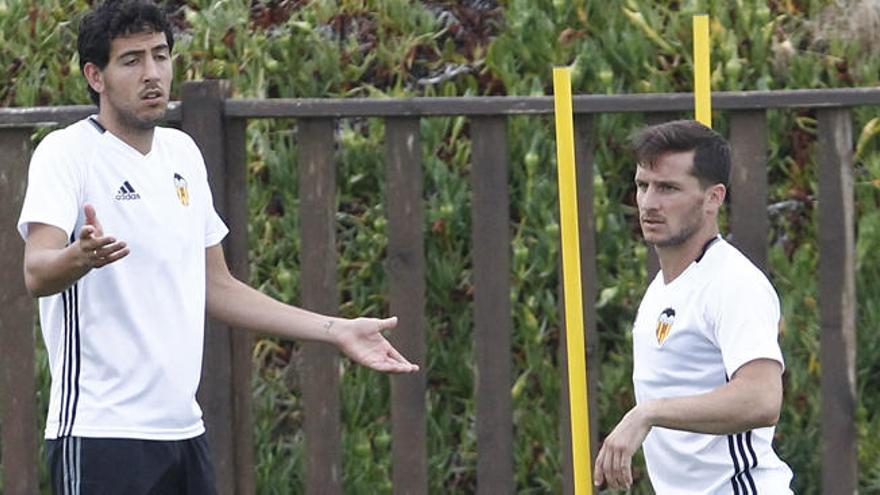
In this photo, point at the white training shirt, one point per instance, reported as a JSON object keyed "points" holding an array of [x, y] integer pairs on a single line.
{"points": [[125, 341], [689, 338]]}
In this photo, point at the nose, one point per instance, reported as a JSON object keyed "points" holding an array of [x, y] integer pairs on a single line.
{"points": [[151, 70], [647, 199]]}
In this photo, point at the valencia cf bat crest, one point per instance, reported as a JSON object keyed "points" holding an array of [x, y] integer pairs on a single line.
{"points": [[664, 324], [182, 191]]}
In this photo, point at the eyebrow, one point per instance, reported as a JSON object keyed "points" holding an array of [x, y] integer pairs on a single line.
{"points": [[163, 46], [658, 182], [667, 183]]}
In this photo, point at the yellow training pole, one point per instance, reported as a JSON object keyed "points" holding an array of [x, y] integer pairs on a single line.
{"points": [[571, 270], [702, 89]]}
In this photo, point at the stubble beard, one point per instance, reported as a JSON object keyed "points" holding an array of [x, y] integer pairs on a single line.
{"points": [[133, 121], [679, 238], [684, 234], [128, 116]]}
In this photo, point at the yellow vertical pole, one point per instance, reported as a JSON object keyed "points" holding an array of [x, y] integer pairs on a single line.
{"points": [[702, 86], [571, 271]]}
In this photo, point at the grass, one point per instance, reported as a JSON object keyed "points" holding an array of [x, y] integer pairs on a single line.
{"points": [[377, 49]]}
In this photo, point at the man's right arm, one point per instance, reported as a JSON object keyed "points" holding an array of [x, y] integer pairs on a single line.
{"points": [[751, 399], [51, 265]]}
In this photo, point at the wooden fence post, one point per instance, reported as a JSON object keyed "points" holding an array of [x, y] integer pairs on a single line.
{"points": [[225, 393], [320, 362], [748, 184], [493, 321], [406, 267], [837, 302], [17, 385], [236, 246]]}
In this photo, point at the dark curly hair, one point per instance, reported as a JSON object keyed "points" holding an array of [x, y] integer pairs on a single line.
{"points": [[114, 18]]}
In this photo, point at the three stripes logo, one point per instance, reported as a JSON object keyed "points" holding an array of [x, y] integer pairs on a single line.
{"points": [[127, 193], [70, 362], [744, 462]]}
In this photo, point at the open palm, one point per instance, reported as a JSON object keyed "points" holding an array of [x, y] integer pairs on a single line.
{"points": [[361, 339]]}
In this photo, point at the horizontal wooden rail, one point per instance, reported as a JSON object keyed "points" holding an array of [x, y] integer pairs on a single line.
{"points": [[515, 105], [472, 106], [37, 116]]}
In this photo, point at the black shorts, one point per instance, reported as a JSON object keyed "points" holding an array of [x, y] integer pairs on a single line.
{"points": [[111, 466]]}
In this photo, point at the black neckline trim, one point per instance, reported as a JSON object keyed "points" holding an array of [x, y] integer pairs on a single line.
{"points": [[97, 125], [706, 247]]}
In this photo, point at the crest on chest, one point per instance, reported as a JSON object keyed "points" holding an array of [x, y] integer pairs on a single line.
{"points": [[182, 189], [664, 324]]}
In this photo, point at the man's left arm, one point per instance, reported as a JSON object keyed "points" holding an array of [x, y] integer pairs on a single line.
{"points": [[240, 306], [751, 399]]}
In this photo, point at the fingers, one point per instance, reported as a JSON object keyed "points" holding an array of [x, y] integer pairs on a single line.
{"points": [[620, 470], [387, 323], [92, 218], [365, 344], [614, 467], [598, 471], [611, 471], [394, 362], [395, 355], [101, 244], [86, 232], [386, 364], [89, 242], [97, 251], [394, 367], [110, 253], [391, 361]]}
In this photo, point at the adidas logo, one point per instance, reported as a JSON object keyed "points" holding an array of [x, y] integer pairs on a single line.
{"points": [[127, 193]]}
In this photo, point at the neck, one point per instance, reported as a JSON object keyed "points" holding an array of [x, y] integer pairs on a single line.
{"points": [[138, 138], [674, 260]]}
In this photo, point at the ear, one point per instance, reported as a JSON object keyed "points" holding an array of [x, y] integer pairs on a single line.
{"points": [[715, 197], [94, 77]]}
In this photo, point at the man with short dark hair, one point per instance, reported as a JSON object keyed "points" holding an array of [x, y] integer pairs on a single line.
{"points": [[707, 364], [122, 315]]}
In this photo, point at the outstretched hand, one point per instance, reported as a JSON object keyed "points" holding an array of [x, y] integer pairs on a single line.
{"points": [[96, 249], [361, 339]]}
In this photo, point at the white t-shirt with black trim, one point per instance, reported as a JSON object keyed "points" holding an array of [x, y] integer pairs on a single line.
{"points": [[125, 341], [690, 336]]}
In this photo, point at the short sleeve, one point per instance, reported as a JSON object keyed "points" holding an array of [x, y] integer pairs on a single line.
{"points": [[215, 228], [746, 317], [54, 189]]}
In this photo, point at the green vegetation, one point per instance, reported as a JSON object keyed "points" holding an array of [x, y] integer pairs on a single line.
{"points": [[378, 48]]}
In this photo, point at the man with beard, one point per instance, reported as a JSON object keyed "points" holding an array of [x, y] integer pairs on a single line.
{"points": [[122, 315], [707, 365]]}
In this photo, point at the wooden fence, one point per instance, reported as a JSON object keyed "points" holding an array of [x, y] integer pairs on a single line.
{"points": [[218, 125]]}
